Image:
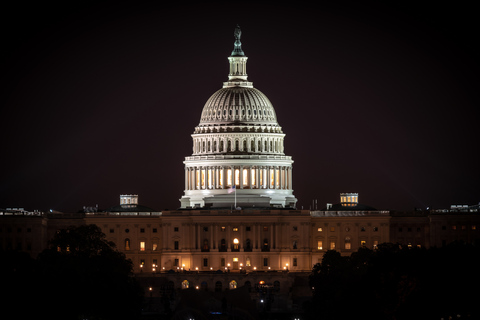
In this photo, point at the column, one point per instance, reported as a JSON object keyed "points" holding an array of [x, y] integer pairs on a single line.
{"points": [[272, 242], [186, 178], [251, 172], [211, 238], [257, 177], [241, 177], [275, 171], [290, 178]]}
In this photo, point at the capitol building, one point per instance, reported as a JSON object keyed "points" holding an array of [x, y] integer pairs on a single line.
{"points": [[237, 225]]}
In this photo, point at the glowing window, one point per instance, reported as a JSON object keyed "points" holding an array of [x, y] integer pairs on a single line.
{"points": [[332, 245], [229, 177], [237, 177], [319, 229], [221, 178], [247, 262], [253, 179], [320, 245], [235, 241], [233, 284], [235, 259], [142, 245], [348, 244], [245, 177], [154, 247], [185, 284]]}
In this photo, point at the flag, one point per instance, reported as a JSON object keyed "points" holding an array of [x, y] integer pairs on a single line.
{"points": [[231, 189]]}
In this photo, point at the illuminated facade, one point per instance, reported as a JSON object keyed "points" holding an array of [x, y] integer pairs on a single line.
{"points": [[238, 143]]}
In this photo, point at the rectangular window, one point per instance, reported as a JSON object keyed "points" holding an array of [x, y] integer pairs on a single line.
{"points": [[142, 230], [265, 262], [363, 243], [175, 245], [142, 245], [222, 228], [319, 229], [332, 229], [205, 229], [205, 262], [265, 228], [111, 230], [375, 244], [247, 228], [235, 229], [222, 262], [332, 245], [320, 245], [294, 262], [176, 263], [175, 229], [154, 247], [154, 230]]}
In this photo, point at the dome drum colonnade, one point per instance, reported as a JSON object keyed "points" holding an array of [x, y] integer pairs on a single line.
{"points": [[238, 142]]}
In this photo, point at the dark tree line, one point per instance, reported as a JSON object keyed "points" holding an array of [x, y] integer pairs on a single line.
{"points": [[397, 283], [81, 276]]}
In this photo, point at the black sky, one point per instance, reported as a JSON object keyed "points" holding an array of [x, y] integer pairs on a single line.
{"points": [[100, 98]]}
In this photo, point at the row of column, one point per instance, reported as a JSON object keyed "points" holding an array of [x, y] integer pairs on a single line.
{"points": [[243, 177], [209, 145], [257, 236]]}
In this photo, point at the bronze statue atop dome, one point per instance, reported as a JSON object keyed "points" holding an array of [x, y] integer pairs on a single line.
{"points": [[237, 49], [237, 33]]}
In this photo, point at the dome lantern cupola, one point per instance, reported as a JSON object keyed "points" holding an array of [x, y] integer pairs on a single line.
{"points": [[238, 65]]}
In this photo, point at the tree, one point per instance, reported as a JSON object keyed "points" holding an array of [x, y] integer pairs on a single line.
{"points": [[84, 276]]}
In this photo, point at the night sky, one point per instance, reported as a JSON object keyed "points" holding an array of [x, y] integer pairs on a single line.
{"points": [[100, 100]]}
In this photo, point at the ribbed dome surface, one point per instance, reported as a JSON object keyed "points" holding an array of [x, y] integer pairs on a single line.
{"points": [[238, 105]]}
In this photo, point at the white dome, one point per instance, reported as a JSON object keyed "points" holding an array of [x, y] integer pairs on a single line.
{"points": [[238, 105]]}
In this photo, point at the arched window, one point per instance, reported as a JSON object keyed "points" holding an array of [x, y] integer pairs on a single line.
{"points": [[204, 286], [235, 246], [185, 284], [348, 243], [127, 244], [233, 284], [223, 245], [265, 246], [205, 246], [248, 245]]}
